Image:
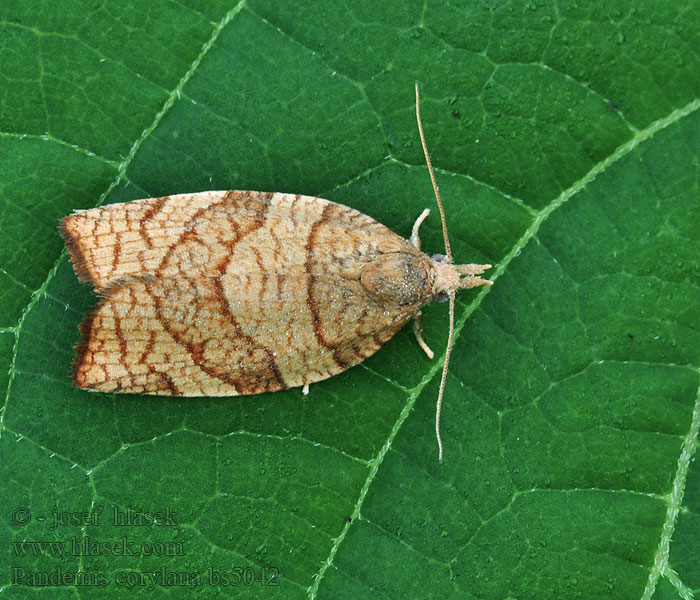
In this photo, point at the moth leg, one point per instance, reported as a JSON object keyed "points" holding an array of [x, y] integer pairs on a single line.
{"points": [[415, 239], [418, 319], [305, 389], [417, 330]]}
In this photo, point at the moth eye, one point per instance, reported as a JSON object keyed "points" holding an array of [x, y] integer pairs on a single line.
{"points": [[438, 258], [441, 296]]}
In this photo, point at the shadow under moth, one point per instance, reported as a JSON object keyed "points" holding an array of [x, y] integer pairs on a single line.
{"points": [[238, 292]]}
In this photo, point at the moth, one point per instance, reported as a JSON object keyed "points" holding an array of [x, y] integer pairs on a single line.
{"points": [[238, 292]]}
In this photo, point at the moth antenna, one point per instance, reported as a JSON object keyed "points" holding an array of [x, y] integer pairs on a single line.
{"points": [[448, 251], [444, 375], [448, 259]]}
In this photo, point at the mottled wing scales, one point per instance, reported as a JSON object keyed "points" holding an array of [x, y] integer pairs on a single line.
{"points": [[204, 337], [147, 337], [168, 236], [225, 293]]}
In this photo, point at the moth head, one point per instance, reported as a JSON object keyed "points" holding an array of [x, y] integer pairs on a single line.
{"points": [[449, 278]]}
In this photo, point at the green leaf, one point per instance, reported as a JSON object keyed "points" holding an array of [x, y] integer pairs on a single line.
{"points": [[566, 139]]}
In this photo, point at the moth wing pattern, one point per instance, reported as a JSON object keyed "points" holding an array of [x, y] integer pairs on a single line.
{"points": [[227, 293]]}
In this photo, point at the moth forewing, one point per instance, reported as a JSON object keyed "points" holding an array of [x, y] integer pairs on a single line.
{"points": [[251, 292]]}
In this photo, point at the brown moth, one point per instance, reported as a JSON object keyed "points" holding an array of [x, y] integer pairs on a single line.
{"points": [[238, 292]]}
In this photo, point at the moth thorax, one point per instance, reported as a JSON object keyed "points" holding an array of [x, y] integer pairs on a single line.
{"points": [[398, 278]]}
